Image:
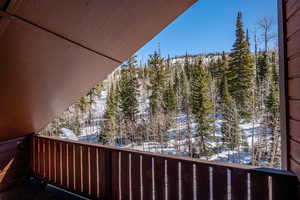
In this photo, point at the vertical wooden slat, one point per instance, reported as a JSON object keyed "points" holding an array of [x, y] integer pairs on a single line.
{"points": [[42, 157], [202, 181], [36, 155], [173, 179], [259, 187], [71, 158], [125, 181], [104, 173], [57, 163], [187, 177], [136, 176], [239, 186], [93, 172], [220, 183], [64, 160], [159, 178], [52, 161], [115, 175], [85, 169], [47, 159], [147, 177], [77, 168]]}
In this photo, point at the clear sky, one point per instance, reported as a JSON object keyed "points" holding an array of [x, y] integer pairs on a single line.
{"points": [[208, 26]]}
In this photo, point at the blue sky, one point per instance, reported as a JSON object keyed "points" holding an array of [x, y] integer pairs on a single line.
{"points": [[208, 26]]}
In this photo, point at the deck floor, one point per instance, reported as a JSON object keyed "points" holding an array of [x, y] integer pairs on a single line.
{"points": [[28, 191]]}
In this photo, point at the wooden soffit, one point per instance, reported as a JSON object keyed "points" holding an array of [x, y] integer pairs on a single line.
{"points": [[53, 51]]}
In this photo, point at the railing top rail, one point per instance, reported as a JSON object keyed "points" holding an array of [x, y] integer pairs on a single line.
{"points": [[183, 159]]}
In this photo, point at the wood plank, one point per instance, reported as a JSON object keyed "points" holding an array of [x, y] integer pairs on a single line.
{"points": [[85, 169], [173, 179], [294, 67], [259, 187], [294, 167], [293, 47], [64, 165], [294, 150], [104, 172], [239, 187], [291, 7], [47, 159], [294, 106], [52, 161], [220, 183], [94, 172], [115, 167], [78, 175], [71, 159], [147, 177], [294, 127], [159, 178], [293, 88], [36, 153], [136, 176], [125, 180], [202, 182], [293, 24], [187, 183], [58, 162]]}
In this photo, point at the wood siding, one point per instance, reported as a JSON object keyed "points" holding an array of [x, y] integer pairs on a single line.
{"points": [[289, 16], [14, 161]]}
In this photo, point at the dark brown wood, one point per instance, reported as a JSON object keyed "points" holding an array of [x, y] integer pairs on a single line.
{"points": [[94, 172], [293, 49], [147, 177], [64, 166], [294, 67], [239, 187], [78, 165], [58, 162], [294, 130], [295, 150], [159, 178], [202, 182], [71, 159], [187, 183], [104, 171], [294, 106], [115, 172], [52, 161], [283, 81], [293, 24], [85, 169], [136, 176], [220, 183], [259, 187], [291, 7], [284, 187], [47, 159], [173, 179], [125, 180]]}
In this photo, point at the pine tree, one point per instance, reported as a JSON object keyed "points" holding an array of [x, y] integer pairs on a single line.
{"points": [[230, 126], [169, 99], [109, 123], [240, 71], [128, 91], [202, 108], [157, 76]]}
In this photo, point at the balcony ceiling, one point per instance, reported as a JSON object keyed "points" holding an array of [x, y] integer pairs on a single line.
{"points": [[53, 51]]}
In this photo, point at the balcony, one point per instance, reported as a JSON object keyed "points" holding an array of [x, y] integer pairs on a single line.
{"points": [[102, 172]]}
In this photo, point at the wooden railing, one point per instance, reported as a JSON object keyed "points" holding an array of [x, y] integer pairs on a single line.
{"points": [[98, 171]]}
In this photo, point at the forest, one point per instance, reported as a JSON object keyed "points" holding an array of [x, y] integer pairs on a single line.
{"points": [[221, 106]]}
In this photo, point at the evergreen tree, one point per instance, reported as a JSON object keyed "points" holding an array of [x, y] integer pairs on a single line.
{"points": [[157, 76], [169, 99], [240, 71], [109, 123], [202, 107], [128, 92]]}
